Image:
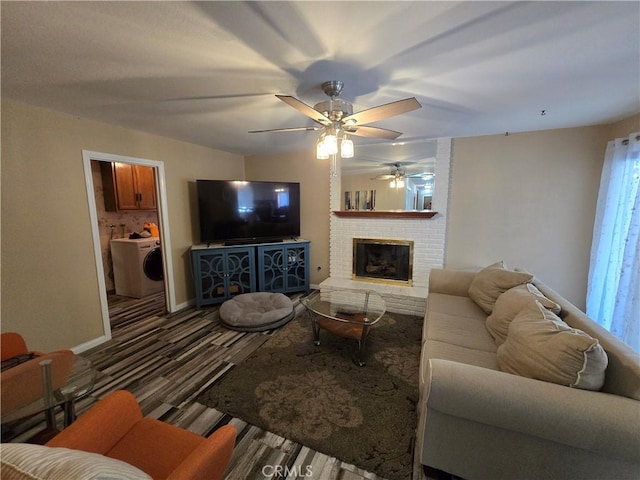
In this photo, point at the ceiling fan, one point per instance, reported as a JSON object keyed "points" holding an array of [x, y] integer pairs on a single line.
{"points": [[335, 116], [398, 172]]}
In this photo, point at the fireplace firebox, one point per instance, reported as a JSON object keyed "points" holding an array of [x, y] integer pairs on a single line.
{"points": [[383, 260]]}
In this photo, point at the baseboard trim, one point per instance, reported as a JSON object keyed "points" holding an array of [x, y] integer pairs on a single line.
{"points": [[183, 305], [83, 347]]}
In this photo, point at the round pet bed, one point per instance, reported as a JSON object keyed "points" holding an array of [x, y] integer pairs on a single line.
{"points": [[257, 311]]}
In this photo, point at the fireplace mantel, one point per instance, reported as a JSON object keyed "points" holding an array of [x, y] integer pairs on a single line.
{"points": [[385, 213]]}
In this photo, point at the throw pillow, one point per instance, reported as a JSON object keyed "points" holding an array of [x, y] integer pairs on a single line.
{"points": [[492, 281], [22, 461], [541, 346], [509, 304]]}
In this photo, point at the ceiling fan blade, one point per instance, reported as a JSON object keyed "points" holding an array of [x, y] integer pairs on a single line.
{"points": [[383, 177], [291, 129], [302, 107], [421, 175], [383, 111], [373, 132]]}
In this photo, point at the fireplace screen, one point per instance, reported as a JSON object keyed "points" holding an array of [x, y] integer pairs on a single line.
{"points": [[381, 260]]}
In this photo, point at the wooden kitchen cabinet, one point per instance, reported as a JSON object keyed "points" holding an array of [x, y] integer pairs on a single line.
{"points": [[128, 187]]}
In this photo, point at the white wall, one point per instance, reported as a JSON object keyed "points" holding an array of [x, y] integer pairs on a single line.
{"points": [[528, 199]]}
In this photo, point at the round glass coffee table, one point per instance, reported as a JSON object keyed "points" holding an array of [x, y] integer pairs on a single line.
{"points": [[346, 313]]}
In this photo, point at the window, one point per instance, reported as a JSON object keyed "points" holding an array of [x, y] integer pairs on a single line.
{"points": [[613, 293]]}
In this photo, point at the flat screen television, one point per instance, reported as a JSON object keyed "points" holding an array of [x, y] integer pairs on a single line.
{"points": [[240, 212]]}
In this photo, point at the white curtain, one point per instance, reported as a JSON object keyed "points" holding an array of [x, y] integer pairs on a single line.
{"points": [[613, 293]]}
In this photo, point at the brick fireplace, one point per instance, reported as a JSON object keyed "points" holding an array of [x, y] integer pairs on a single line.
{"points": [[427, 235]]}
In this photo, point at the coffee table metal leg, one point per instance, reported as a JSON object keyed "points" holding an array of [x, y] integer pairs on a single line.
{"points": [[361, 343], [69, 411], [47, 392], [316, 329], [358, 361]]}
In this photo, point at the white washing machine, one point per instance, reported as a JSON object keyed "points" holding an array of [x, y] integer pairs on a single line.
{"points": [[137, 266]]}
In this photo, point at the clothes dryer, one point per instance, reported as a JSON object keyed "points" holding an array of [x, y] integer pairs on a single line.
{"points": [[137, 266]]}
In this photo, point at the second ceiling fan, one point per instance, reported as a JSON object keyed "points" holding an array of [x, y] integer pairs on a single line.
{"points": [[399, 174], [335, 116]]}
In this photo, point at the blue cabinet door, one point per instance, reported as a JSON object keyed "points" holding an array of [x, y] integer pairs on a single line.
{"points": [[240, 271], [209, 275], [270, 268], [283, 268], [220, 273], [296, 259]]}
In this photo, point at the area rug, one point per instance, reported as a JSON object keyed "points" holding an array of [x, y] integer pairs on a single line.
{"points": [[317, 395]]}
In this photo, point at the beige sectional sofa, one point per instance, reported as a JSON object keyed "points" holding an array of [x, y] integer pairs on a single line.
{"points": [[479, 422]]}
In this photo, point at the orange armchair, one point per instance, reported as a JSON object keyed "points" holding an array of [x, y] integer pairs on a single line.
{"points": [[115, 427], [14, 351], [12, 345]]}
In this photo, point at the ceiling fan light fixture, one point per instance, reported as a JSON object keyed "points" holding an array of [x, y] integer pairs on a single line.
{"points": [[321, 149], [331, 143], [397, 183], [346, 147]]}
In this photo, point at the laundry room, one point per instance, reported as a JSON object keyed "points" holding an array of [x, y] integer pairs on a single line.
{"points": [[126, 207]]}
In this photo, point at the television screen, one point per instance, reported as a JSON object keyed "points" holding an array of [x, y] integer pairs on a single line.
{"points": [[248, 212]]}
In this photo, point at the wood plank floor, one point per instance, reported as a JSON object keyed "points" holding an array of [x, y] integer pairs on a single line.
{"points": [[167, 360]]}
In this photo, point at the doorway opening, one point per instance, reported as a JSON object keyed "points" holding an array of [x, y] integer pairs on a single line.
{"points": [[139, 277]]}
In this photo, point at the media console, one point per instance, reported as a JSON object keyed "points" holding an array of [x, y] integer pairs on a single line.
{"points": [[221, 272]]}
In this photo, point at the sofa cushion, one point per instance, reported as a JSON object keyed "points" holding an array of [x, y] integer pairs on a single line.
{"points": [[21, 461], [454, 305], [541, 346], [623, 369], [492, 281], [455, 353], [509, 304], [464, 331]]}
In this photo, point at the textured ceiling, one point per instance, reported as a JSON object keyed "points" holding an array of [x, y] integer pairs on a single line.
{"points": [[207, 72]]}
